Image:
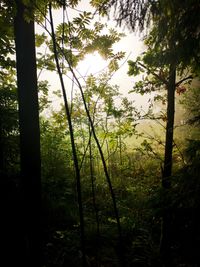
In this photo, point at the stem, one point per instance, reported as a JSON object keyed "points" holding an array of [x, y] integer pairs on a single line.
{"points": [[93, 195], [102, 159], [77, 171], [96, 140]]}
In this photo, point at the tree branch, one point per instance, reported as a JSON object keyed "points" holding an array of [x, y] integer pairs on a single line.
{"points": [[183, 80], [153, 73]]}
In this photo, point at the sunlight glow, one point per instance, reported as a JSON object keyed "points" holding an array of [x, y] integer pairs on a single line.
{"points": [[92, 64]]}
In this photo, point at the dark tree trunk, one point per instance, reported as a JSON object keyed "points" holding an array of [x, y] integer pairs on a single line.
{"points": [[167, 170], [29, 134], [1, 149], [165, 246]]}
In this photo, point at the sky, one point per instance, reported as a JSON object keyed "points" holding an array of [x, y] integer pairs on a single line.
{"points": [[131, 44]]}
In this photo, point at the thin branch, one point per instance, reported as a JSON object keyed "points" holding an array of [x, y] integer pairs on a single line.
{"points": [[82, 231], [183, 80], [153, 73], [41, 70]]}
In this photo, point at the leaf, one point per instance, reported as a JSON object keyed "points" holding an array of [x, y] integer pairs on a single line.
{"points": [[39, 39], [134, 69]]}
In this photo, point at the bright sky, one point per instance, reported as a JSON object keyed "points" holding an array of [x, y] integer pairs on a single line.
{"points": [[131, 44]]}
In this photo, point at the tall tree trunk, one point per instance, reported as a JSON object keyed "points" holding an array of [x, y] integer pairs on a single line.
{"points": [[29, 133], [167, 170], [165, 245], [2, 169]]}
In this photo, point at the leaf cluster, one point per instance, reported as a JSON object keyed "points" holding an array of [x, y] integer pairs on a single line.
{"points": [[78, 37], [134, 14]]}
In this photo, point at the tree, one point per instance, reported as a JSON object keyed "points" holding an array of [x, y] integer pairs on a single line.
{"points": [[70, 42], [29, 130], [21, 223], [174, 37], [173, 48], [169, 54]]}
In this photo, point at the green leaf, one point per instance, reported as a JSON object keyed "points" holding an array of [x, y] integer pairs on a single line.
{"points": [[40, 39], [134, 69]]}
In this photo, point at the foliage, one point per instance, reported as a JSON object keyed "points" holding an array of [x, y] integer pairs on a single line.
{"points": [[77, 38], [131, 13], [134, 187], [6, 32], [170, 19], [175, 24], [9, 128], [190, 102]]}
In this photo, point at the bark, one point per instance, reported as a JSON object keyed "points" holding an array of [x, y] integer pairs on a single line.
{"points": [[29, 133], [1, 149], [167, 170], [165, 245]]}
